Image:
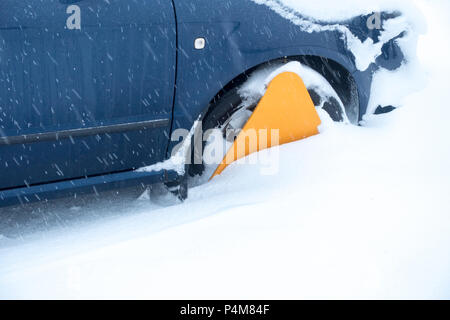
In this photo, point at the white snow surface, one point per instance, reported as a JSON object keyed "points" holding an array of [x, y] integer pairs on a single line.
{"points": [[355, 212]]}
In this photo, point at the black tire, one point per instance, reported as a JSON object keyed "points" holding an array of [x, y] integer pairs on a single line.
{"points": [[217, 115], [331, 106]]}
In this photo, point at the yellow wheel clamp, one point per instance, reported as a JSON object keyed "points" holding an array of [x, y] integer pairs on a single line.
{"points": [[286, 107]]}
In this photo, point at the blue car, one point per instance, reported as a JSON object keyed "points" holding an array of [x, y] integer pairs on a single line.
{"points": [[91, 91]]}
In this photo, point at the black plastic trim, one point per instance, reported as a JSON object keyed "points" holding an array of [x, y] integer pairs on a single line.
{"points": [[83, 132]]}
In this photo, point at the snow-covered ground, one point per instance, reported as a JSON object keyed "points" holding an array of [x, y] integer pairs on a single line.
{"points": [[355, 212]]}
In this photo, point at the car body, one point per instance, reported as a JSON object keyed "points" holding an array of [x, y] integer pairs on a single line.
{"points": [[91, 90]]}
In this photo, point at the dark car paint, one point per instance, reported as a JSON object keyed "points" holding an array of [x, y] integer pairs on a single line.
{"points": [[132, 62], [111, 72]]}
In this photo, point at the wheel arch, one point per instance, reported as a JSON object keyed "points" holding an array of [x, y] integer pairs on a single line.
{"points": [[186, 114], [339, 76]]}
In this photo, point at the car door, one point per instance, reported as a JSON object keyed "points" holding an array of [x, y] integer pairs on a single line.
{"points": [[86, 87]]}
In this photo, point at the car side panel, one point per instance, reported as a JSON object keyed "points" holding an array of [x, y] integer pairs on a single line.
{"points": [[119, 68]]}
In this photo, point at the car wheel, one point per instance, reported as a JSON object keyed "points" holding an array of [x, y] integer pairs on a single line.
{"points": [[230, 113]]}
